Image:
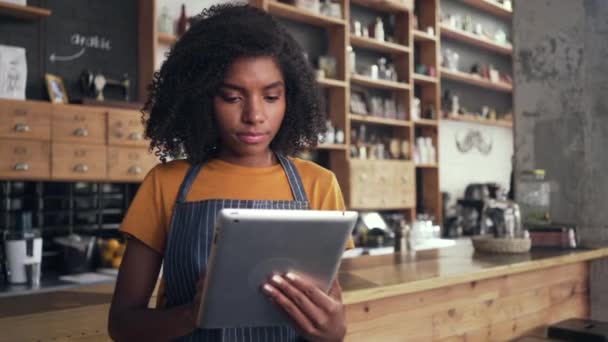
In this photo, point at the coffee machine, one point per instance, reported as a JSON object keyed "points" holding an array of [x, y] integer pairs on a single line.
{"points": [[23, 251]]}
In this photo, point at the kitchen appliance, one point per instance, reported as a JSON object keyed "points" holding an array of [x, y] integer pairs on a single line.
{"points": [[23, 251]]}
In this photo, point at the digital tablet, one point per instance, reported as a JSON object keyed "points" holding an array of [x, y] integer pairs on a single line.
{"points": [[250, 245]]}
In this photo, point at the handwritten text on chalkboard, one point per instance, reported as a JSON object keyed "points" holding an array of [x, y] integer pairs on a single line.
{"points": [[95, 42]]}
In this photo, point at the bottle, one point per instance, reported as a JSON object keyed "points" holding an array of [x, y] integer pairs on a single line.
{"points": [[330, 136], [379, 29], [182, 22], [164, 21], [352, 58]]}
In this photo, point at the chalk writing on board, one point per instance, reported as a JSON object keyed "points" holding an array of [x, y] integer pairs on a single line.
{"points": [[54, 58], [94, 42]]}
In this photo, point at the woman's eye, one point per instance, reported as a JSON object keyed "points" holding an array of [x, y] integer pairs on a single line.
{"points": [[271, 98], [231, 99]]}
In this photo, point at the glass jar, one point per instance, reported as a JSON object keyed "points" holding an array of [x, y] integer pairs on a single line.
{"points": [[534, 197]]}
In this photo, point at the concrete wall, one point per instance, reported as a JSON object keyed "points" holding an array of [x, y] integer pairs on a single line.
{"points": [[561, 112]]}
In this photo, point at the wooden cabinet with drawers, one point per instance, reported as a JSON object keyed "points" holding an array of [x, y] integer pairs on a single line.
{"points": [[376, 184], [129, 164], [125, 128], [24, 159], [25, 120], [82, 124], [78, 162]]}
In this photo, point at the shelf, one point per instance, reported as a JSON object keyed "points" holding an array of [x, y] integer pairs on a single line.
{"points": [[301, 15], [418, 78], [426, 122], [330, 82], [472, 119], [167, 38], [476, 40], [374, 44], [23, 12], [382, 84], [427, 166], [379, 121], [421, 36], [338, 147], [383, 5], [490, 7], [464, 77]]}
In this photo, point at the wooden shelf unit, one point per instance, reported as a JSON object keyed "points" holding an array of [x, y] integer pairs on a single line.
{"points": [[476, 40], [426, 122], [424, 79], [23, 12], [421, 36], [301, 15], [338, 89], [491, 7], [167, 38], [376, 45], [385, 5], [336, 147], [379, 121], [381, 84], [330, 82], [464, 77], [470, 118]]}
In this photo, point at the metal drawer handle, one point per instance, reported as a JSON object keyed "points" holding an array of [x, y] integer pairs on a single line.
{"points": [[81, 168], [136, 136], [22, 128], [22, 167], [81, 132], [135, 170]]}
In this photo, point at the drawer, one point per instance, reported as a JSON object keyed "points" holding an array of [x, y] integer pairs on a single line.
{"points": [[79, 124], [125, 128], [25, 119], [78, 162], [24, 159], [129, 164]]}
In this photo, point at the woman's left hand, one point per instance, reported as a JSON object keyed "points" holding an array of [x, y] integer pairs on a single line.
{"points": [[319, 316]]}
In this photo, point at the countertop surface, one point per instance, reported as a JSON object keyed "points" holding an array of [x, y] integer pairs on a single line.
{"points": [[372, 277], [84, 309]]}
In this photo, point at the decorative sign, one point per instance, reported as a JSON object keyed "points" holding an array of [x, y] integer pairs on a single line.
{"points": [[465, 142]]}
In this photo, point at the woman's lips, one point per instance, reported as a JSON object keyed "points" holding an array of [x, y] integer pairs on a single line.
{"points": [[251, 138]]}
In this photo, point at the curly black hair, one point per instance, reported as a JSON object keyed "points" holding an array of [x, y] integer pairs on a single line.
{"points": [[178, 113]]}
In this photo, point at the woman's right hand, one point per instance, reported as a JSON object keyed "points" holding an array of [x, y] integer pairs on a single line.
{"points": [[196, 302]]}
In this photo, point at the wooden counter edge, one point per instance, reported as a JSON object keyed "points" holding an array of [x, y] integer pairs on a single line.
{"points": [[379, 292]]}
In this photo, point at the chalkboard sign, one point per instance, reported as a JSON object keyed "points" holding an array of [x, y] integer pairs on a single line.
{"points": [[95, 35]]}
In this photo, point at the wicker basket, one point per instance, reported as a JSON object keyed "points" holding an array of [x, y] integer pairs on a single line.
{"points": [[501, 245]]}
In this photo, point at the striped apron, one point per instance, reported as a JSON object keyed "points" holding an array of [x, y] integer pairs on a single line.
{"points": [[188, 247]]}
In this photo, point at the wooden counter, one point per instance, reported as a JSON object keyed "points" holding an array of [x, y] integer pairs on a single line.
{"points": [[452, 294]]}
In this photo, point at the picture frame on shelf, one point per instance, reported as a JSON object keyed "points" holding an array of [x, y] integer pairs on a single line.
{"points": [[56, 89]]}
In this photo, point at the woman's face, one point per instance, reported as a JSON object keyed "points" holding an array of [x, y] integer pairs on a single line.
{"points": [[250, 107]]}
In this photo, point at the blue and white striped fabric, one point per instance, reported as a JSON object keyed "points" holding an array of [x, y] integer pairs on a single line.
{"points": [[190, 236]]}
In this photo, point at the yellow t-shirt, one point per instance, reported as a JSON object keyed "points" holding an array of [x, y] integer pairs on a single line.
{"points": [[149, 215]]}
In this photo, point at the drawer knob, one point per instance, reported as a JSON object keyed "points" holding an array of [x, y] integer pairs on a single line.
{"points": [[22, 167], [81, 132], [404, 178], [135, 170], [136, 136], [81, 168], [22, 128]]}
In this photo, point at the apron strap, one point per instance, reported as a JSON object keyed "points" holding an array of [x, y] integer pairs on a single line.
{"points": [[295, 182], [187, 182]]}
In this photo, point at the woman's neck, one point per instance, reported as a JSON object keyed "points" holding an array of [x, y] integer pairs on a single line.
{"points": [[262, 160]]}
